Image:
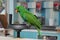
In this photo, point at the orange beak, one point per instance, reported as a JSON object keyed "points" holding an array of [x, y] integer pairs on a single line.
{"points": [[16, 10]]}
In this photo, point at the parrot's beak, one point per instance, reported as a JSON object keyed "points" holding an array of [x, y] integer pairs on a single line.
{"points": [[16, 10]]}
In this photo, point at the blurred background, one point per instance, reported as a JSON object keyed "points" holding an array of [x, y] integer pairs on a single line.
{"points": [[47, 11]]}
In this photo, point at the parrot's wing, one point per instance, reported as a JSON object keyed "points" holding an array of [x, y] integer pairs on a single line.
{"points": [[30, 18], [34, 21]]}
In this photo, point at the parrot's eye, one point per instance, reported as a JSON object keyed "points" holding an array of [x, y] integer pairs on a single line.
{"points": [[18, 11]]}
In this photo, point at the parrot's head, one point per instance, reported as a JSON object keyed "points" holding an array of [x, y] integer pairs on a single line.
{"points": [[20, 9]]}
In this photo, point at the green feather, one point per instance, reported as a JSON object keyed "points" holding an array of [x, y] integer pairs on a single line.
{"points": [[30, 18]]}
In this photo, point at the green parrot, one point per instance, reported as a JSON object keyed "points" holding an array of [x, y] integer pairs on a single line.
{"points": [[29, 18]]}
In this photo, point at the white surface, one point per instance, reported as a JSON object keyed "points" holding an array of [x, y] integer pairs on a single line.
{"points": [[1, 29], [3, 12], [11, 38], [33, 11], [32, 5], [48, 4], [51, 22], [32, 30]]}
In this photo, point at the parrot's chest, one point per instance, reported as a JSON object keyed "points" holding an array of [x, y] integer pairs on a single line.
{"points": [[23, 17]]}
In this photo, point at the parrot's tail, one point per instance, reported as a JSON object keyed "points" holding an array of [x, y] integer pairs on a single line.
{"points": [[38, 29], [39, 33]]}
